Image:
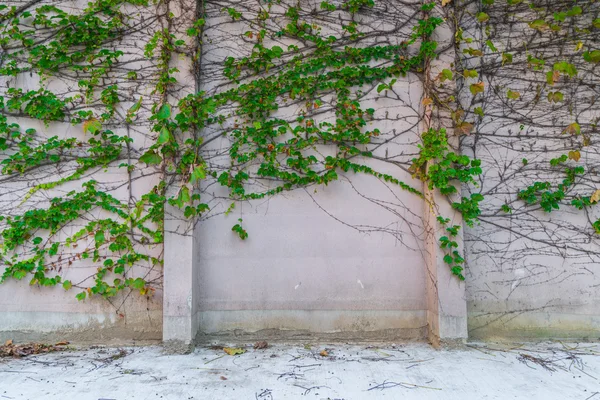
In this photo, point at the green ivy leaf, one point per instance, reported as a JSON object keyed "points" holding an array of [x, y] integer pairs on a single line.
{"points": [[576, 10], [164, 136], [19, 274], [507, 58], [446, 75], [151, 158], [99, 238], [555, 97], [198, 173], [482, 17], [565, 68], [138, 283], [81, 296], [470, 73], [183, 197], [539, 24], [592, 56], [560, 16], [513, 95], [491, 45], [92, 126], [164, 112], [67, 285], [136, 106]]}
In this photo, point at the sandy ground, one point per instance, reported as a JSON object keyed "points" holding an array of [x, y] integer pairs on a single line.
{"points": [[340, 372]]}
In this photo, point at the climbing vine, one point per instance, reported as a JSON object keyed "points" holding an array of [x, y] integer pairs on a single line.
{"points": [[126, 112]]}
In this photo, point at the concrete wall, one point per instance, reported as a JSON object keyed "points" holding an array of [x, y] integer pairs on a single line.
{"points": [[302, 270], [532, 273], [357, 259], [31, 312], [343, 260], [50, 315]]}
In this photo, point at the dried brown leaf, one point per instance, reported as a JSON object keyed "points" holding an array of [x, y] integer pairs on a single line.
{"points": [[261, 345], [464, 128]]}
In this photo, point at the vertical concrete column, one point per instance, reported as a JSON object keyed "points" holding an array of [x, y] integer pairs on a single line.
{"points": [[447, 306], [446, 301], [180, 315]]}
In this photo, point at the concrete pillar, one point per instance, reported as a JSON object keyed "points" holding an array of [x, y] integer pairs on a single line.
{"points": [[180, 314], [447, 306], [180, 288], [446, 301]]}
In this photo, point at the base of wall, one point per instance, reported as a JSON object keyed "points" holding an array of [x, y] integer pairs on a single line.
{"points": [[81, 328], [533, 326], [303, 325]]}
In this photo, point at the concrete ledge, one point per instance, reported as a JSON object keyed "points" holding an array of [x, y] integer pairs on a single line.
{"points": [[535, 326], [298, 325], [82, 328]]}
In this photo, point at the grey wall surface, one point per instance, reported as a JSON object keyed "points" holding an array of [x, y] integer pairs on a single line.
{"points": [[348, 260], [532, 273], [337, 259]]}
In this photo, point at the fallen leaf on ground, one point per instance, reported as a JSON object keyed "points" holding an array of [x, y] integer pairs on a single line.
{"points": [[324, 353], [23, 350], [232, 351], [261, 345]]}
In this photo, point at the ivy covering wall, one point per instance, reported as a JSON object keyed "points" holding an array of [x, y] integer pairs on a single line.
{"points": [[99, 133]]}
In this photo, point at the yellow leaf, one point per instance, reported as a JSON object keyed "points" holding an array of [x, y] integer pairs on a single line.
{"points": [[574, 155], [513, 95], [573, 129], [595, 197], [324, 353], [92, 126], [579, 46], [232, 351], [9, 342], [457, 115], [477, 88], [446, 2], [586, 140], [427, 101]]}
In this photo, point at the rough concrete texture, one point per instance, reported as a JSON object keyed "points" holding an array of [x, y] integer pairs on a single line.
{"points": [[530, 273], [343, 257], [543, 371], [51, 314]]}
